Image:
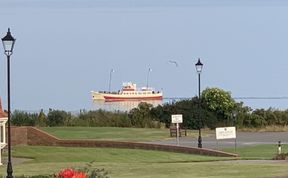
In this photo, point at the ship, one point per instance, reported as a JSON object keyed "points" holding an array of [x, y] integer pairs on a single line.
{"points": [[128, 92]]}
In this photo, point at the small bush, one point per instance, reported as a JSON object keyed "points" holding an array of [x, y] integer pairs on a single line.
{"points": [[282, 156], [87, 172]]}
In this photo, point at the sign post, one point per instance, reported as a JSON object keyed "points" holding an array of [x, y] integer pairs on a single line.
{"points": [[176, 119], [226, 133]]}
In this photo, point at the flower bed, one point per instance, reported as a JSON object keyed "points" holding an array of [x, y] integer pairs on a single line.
{"points": [[70, 173]]}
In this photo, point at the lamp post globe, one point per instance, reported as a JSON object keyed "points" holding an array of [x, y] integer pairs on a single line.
{"points": [[199, 67], [8, 44]]}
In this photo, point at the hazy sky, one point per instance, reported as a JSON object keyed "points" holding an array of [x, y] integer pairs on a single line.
{"points": [[66, 48]]}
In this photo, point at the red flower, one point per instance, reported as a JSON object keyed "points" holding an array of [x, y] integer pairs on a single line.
{"points": [[70, 173], [79, 174]]}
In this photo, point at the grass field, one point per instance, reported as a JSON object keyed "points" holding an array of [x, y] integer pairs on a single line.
{"points": [[107, 133], [127, 163], [113, 133], [257, 152]]}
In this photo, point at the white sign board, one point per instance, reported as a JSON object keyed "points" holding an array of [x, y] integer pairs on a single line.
{"points": [[225, 133], [177, 118]]}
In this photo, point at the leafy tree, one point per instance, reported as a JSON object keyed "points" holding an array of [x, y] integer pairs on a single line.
{"points": [[257, 120], [219, 101], [190, 111], [162, 114], [282, 117], [140, 116], [241, 113], [195, 115], [42, 119], [21, 118], [58, 118]]}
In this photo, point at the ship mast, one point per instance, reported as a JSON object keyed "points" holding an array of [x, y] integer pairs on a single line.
{"points": [[149, 70], [111, 71]]}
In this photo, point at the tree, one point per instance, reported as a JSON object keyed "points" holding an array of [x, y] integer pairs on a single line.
{"points": [[190, 111], [58, 118], [22, 118], [163, 113], [140, 116], [219, 101], [41, 121]]}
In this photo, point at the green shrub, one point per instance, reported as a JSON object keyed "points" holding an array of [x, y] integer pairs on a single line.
{"points": [[282, 156], [58, 118], [21, 118]]}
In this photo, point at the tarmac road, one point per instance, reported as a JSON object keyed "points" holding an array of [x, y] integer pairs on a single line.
{"points": [[243, 139]]}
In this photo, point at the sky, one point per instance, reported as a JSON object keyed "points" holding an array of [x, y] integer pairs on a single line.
{"points": [[65, 49]]}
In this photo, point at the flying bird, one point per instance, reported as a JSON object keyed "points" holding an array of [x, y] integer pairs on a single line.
{"points": [[174, 62]]}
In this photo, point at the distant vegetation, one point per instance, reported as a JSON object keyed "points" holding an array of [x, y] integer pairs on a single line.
{"points": [[215, 108]]}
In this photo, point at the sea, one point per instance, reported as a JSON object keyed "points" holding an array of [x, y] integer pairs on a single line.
{"points": [[126, 106], [277, 103]]}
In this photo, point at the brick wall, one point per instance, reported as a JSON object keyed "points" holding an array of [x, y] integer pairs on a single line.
{"points": [[39, 137], [34, 136], [30, 136], [18, 135]]}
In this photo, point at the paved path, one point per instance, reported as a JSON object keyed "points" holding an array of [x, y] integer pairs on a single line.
{"points": [[243, 139]]}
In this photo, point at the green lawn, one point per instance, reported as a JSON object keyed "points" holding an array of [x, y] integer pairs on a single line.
{"points": [[127, 163], [108, 133], [114, 133], [257, 152]]}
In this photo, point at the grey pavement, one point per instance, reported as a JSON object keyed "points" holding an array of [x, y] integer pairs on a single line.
{"points": [[243, 139]]}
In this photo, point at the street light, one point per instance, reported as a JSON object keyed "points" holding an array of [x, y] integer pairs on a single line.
{"points": [[111, 71], [234, 113], [8, 44], [199, 67]]}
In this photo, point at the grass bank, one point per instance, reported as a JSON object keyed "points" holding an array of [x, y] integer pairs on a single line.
{"points": [[116, 133], [108, 133]]}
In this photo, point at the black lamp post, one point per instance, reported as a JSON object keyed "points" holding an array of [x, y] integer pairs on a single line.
{"points": [[234, 114], [199, 67], [8, 44], [234, 118]]}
